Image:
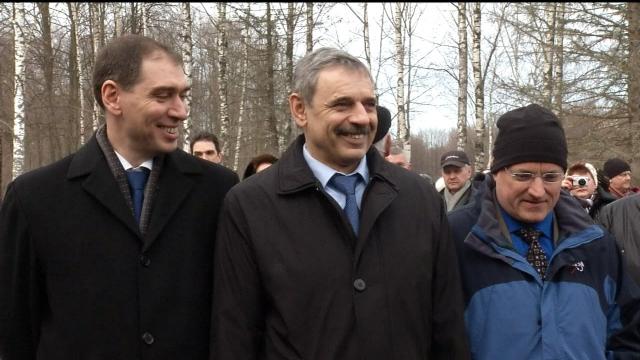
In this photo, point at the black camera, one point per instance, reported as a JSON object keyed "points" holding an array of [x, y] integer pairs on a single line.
{"points": [[580, 181]]}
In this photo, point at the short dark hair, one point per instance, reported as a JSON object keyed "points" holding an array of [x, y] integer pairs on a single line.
{"points": [[256, 161], [205, 136], [121, 60]]}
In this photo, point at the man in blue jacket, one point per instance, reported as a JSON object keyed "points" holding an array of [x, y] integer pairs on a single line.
{"points": [[541, 281]]}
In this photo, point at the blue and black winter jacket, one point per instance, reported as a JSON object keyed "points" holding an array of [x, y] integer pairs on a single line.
{"points": [[586, 309]]}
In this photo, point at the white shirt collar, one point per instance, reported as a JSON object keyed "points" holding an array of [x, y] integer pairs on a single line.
{"points": [[127, 165]]}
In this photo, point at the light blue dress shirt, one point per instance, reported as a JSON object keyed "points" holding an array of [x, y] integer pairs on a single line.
{"points": [[324, 173]]}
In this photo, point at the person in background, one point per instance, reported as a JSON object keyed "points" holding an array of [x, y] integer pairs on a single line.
{"points": [[581, 180], [108, 253], [399, 157], [333, 252], [205, 145], [258, 164], [619, 173], [540, 279], [456, 172]]}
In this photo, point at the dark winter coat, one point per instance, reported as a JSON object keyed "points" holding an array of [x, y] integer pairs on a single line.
{"points": [[293, 281], [622, 218], [78, 281]]}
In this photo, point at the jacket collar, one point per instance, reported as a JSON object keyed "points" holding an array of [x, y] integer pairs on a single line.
{"points": [[295, 175]]}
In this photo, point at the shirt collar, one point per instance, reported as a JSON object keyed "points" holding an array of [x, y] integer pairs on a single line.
{"points": [[513, 225], [324, 173], [127, 165]]}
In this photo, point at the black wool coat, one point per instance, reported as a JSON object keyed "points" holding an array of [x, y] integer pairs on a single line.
{"points": [[79, 281], [293, 281]]}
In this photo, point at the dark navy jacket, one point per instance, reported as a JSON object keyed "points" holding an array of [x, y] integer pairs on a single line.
{"points": [[586, 309]]}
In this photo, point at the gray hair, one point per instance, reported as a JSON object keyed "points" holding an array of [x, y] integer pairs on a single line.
{"points": [[305, 76]]}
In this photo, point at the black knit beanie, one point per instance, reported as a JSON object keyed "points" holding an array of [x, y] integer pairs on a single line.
{"points": [[614, 167], [529, 134]]}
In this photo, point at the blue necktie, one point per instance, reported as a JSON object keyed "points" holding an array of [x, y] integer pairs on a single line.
{"points": [[347, 185], [137, 180]]}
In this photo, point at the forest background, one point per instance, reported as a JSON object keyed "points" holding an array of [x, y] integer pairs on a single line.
{"points": [[446, 71]]}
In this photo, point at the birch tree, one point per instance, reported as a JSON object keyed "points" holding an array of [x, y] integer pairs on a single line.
{"points": [[222, 75], [19, 85], [96, 15], [548, 50], [462, 76], [186, 47], [479, 88], [558, 61], [403, 128], [73, 17], [243, 92]]}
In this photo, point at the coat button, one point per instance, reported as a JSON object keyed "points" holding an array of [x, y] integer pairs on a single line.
{"points": [[147, 338], [359, 284], [145, 261]]}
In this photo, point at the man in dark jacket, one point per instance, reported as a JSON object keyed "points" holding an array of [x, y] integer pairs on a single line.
{"points": [[94, 267], [621, 218], [306, 269], [541, 281]]}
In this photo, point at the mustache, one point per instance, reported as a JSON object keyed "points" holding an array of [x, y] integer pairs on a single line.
{"points": [[353, 130]]}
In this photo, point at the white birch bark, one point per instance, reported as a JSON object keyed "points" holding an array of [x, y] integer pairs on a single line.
{"points": [[245, 59], [462, 76], [222, 75], [550, 19], [75, 7], [479, 88], [403, 131], [143, 14], [97, 32], [558, 63], [19, 80], [186, 47]]}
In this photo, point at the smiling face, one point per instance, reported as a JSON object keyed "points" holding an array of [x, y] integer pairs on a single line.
{"points": [[528, 201], [339, 122], [143, 121]]}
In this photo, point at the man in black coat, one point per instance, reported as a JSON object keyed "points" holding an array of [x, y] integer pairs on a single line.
{"points": [[307, 268], [93, 267]]}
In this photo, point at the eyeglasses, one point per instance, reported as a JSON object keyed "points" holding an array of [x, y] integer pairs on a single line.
{"points": [[548, 177]]}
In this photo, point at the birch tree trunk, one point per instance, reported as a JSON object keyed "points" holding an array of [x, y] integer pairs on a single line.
{"points": [[271, 132], [309, 27], [73, 16], [550, 19], [558, 62], [96, 11], [243, 92], [144, 22], [186, 47], [19, 79], [479, 88], [222, 75], [633, 18], [403, 131], [462, 76]]}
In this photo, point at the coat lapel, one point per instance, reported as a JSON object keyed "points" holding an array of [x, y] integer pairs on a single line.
{"points": [[174, 184], [89, 161]]}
